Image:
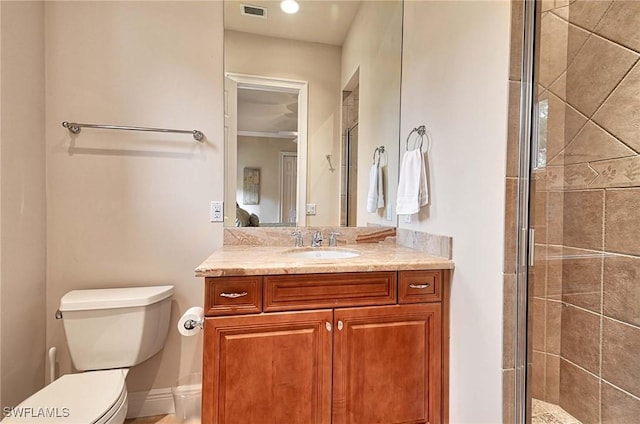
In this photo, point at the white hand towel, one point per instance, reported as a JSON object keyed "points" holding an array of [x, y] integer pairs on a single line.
{"points": [[372, 195], [380, 188], [413, 192]]}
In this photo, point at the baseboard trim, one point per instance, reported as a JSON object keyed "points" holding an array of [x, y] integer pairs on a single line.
{"points": [[150, 403]]}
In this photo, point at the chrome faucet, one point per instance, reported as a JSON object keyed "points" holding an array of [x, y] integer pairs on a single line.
{"points": [[333, 239], [316, 239], [298, 238]]}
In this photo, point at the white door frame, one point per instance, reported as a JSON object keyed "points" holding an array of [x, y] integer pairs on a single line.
{"points": [[281, 183], [301, 88]]}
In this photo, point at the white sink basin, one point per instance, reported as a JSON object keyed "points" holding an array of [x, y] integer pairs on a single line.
{"points": [[322, 253]]}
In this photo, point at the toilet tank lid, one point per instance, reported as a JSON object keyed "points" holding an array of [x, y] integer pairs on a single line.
{"points": [[84, 300]]}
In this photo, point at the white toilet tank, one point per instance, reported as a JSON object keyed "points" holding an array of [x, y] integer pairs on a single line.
{"points": [[115, 328]]}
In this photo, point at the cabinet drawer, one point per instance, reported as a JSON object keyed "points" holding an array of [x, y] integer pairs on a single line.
{"points": [[419, 286], [232, 295], [310, 291]]}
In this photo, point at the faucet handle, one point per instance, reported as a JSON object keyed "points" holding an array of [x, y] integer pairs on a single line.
{"points": [[298, 237], [316, 239], [333, 238]]}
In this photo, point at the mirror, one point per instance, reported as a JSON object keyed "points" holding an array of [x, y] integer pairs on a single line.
{"points": [[312, 112]]}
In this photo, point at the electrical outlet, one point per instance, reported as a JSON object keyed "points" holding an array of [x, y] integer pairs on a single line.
{"points": [[407, 219], [311, 208], [216, 213]]}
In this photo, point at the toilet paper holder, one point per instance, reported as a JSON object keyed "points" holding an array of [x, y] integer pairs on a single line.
{"points": [[190, 324]]}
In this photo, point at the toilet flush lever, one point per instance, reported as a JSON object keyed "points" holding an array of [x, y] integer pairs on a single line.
{"points": [[58, 314]]}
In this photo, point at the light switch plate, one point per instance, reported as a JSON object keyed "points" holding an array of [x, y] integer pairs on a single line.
{"points": [[311, 208]]}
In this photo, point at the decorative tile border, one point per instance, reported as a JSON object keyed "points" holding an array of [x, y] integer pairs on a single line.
{"points": [[614, 173], [623, 172], [570, 177]]}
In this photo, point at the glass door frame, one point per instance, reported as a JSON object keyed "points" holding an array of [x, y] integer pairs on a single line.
{"points": [[525, 237]]}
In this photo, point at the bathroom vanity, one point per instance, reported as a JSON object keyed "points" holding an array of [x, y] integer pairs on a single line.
{"points": [[291, 339]]}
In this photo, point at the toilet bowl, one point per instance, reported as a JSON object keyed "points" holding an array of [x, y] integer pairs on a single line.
{"points": [[108, 331], [93, 397]]}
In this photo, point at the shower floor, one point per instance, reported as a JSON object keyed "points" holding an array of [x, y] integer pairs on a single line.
{"points": [[548, 413]]}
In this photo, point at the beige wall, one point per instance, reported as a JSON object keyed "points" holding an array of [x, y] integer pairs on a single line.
{"points": [[455, 79], [132, 208], [263, 153], [319, 65], [22, 197], [373, 46]]}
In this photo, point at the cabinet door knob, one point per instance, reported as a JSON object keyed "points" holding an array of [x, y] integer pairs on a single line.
{"points": [[233, 295], [419, 286], [328, 325], [340, 325]]}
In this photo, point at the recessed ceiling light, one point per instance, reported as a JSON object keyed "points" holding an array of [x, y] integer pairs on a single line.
{"points": [[289, 6]]}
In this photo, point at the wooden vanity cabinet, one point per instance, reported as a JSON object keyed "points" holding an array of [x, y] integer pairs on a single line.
{"points": [[270, 368], [387, 365], [356, 362]]}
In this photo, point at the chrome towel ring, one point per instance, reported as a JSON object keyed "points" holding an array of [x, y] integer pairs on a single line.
{"points": [[421, 131], [378, 151]]}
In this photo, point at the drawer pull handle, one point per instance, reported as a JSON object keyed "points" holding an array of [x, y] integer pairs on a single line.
{"points": [[419, 286], [233, 295]]}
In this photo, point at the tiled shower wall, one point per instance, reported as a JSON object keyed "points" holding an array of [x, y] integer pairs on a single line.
{"points": [[586, 280]]}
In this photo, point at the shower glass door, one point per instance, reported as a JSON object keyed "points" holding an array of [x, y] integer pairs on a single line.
{"points": [[584, 286]]}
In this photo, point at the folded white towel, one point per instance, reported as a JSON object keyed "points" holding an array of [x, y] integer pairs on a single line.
{"points": [[413, 191], [380, 187], [375, 196]]}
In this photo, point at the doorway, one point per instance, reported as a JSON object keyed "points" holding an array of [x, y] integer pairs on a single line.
{"points": [[349, 157], [263, 117]]}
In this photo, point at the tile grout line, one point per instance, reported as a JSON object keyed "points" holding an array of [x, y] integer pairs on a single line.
{"points": [[606, 99], [593, 31], [631, 395], [604, 254]]}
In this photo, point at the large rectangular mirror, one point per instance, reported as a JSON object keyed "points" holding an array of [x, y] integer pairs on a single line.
{"points": [[312, 112]]}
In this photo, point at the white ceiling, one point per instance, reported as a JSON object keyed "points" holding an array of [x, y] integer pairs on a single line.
{"points": [[267, 112], [320, 21]]}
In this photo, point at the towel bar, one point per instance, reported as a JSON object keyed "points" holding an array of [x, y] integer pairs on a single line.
{"points": [[75, 129]]}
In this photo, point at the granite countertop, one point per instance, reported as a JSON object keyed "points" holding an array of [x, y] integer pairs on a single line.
{"points": [[238, 260]]}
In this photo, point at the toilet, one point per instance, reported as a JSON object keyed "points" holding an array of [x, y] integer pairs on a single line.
{"points": [[108, 331]]}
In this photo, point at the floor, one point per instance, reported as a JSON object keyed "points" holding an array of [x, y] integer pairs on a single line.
{"points": [[548, 413], [158, 419], [543, 413]]}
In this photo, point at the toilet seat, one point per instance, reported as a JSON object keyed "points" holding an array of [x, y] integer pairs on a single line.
{"points": [[94, 397]]}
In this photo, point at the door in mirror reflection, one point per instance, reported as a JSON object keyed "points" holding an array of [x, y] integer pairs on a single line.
{"points": [[288, 182]]}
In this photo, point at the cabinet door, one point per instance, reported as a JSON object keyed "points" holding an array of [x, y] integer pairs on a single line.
{"points": [[388, 365], [269, 369]]}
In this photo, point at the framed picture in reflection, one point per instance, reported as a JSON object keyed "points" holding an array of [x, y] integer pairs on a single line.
{"points": [[251, 186]]}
